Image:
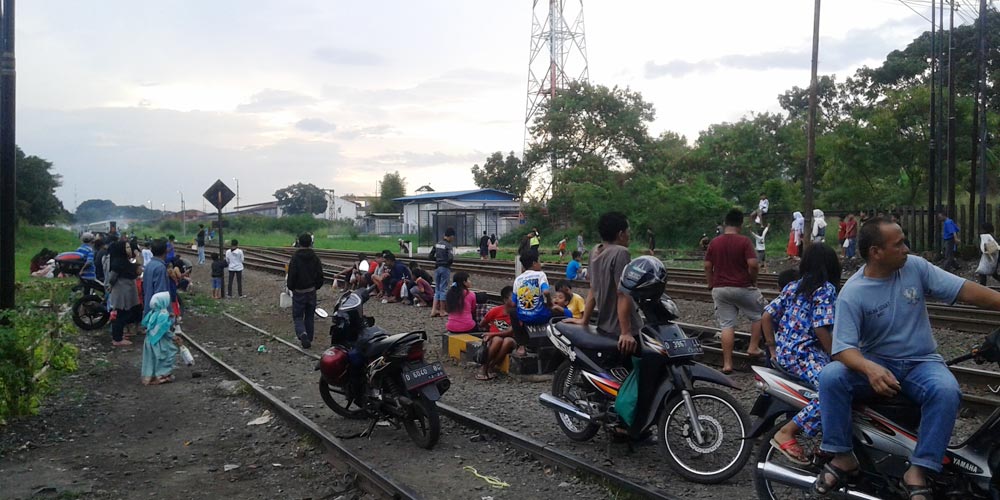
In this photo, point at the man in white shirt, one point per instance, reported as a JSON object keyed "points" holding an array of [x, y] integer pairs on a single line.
{"points": [[762, 207], [234, 258]]}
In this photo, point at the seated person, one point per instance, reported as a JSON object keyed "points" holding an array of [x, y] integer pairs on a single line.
{"points": [[397, 275], [499, 335], [421, 288], [801, 343], [459, 304], [348, 277], [576, 303], [533, 298], [573, 269], [560, 305]]}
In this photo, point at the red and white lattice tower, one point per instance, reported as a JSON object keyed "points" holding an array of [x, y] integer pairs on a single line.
{"points": [[558, 53]]}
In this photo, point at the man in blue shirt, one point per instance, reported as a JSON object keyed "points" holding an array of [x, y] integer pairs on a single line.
{"points": [[154, 277], [882, 344], [948, 232]]}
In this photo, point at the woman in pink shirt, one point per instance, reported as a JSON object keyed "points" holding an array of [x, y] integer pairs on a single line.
{"points": [[460, 302]]}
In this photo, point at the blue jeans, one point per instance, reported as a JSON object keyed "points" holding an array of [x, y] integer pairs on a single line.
{"points": [[442, 280], [201, 254], [928, 383], [303, 314]]}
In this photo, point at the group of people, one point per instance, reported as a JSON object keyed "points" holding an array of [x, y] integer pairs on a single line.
{"points": [[871, 336]]}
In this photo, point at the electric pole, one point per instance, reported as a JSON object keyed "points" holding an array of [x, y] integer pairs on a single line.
{"points": [[981, 107], [932, 150], [811, 129], [951, 117], [8, 156]]}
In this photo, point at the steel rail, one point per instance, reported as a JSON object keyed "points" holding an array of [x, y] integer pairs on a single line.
{"points": [[380, 480], [525, 443]]}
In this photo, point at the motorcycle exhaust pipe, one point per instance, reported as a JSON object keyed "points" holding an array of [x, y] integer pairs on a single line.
{"points": [[794, 478], [555, 403]]}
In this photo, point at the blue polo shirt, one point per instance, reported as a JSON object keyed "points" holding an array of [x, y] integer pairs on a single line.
{"points": [[949, 229]]}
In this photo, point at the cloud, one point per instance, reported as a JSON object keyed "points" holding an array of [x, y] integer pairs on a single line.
{"points": [[854, 48], [268, 100], [348, 57], [373, 131], [437, 158], [315, 125]]}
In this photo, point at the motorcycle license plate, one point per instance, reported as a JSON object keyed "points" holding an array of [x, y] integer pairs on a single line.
{"points": [[415, 376], [682, 347]]}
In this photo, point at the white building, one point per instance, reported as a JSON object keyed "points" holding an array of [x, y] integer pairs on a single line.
{"points": [[469, 212], [338, 208]]}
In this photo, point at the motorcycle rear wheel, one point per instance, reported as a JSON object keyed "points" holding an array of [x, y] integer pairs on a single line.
{"points": [[724, 425], [771, 490], [90, 313], [336, 398], [566, 385], [423, 424]]}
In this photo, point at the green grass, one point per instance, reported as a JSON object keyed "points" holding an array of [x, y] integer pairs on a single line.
{"points": [[29, 240], [369, 244]]}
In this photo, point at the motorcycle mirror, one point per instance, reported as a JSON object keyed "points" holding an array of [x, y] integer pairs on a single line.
{"points": [[321, 313], [363, 266]]}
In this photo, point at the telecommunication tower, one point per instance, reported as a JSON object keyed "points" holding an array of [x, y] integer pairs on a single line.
{"points": [[558, 53]]}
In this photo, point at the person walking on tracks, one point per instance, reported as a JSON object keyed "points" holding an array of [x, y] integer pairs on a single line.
{"points": [[305, 277], [883, 344], [443, 255], [731, 272]]}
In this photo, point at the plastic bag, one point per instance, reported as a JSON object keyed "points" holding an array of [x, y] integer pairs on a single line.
{"points": [[628, 394]]}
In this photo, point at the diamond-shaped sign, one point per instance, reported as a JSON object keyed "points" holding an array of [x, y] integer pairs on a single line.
{"points": [[219, 195]]}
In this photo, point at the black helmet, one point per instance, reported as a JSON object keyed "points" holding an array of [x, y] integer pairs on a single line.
{"points": [[644, 278]]}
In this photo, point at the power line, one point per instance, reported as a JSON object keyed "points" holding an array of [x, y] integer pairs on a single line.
{"points": [[915, 11]]}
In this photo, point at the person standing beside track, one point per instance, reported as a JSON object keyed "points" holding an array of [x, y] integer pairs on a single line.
{"points": [[444, 255], [305, 277], [199, 241], [234, 261]]}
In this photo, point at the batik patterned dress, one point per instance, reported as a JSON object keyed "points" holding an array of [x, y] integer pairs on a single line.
{"points": [[798, 350]]}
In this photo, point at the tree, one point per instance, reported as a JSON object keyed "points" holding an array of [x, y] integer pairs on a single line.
{"points": [[36, 185], [504, 174], [301, 199], [590, 123], [95, 210], [393, 186]]}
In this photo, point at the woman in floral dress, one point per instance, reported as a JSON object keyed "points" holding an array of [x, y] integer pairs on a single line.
{"points": [[797, 327]]}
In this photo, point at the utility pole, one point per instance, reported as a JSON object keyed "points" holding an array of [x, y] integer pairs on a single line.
{"points": [[951, 119], [811, 129], [932, 150], [183, 215], [981, 107], [8, 156], [939, 159]]}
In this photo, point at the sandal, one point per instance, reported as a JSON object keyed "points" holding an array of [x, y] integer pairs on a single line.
{"points": [[914, 490], [480, 376], [165, 379], [791, 450], [840, 478]]}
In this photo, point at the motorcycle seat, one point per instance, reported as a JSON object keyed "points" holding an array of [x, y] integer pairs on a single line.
{"points": [[381, 344], [586, 337], [898, 408]]}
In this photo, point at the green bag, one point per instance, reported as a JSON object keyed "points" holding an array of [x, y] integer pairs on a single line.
{"points": [[628, 394]]}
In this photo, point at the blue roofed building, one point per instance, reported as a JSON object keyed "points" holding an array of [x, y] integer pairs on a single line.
{"points": [[469, 212]]}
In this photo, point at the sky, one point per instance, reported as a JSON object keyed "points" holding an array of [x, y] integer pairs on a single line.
{"points": [[138, 102]]}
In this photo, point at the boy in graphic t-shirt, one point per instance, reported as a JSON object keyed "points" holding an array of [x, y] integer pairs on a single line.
{"points": [[532, 289]]}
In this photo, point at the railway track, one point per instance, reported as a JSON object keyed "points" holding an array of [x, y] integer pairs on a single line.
{"points": [[972, 378], [413, 475], [684, 284]]}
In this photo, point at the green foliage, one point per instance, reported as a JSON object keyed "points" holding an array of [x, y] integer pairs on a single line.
{"points": [[36, 185], [33, 350], [98, 210], [393, 186], [301, 198], [508, 174], [29, 240]]}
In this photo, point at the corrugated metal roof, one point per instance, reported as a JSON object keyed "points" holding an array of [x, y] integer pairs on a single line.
{"points": [[470, 195]]}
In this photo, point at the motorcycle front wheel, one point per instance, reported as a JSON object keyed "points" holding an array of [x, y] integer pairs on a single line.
{"points": [[724, 425], [768, 454], [336, 398], [567, 385], [90, 313], [423, 424]]}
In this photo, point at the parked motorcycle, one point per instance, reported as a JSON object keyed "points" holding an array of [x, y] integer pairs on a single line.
{"points": [[884, 437], [368, 373], [89, 311], [701, 430]]}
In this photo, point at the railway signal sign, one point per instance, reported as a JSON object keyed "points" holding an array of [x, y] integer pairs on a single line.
{"points": [[219, 194]]}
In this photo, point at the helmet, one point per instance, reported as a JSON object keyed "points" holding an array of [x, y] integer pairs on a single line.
{"points": [[644, 278], [333, 365], [87, 237]]}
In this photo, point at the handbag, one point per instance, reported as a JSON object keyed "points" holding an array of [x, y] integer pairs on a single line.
{"points": [[285, 299], [479, 355]]}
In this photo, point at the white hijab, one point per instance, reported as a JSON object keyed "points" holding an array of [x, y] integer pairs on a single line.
{"points": [[798, 222]]}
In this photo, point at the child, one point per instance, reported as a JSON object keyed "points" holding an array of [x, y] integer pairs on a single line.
{"points": [[459, 303], [575, 302], [562, 249], [532, 289], [760, 247], [218, 271], [499, 337], [988, 261], [560, 305], [573, 268]]}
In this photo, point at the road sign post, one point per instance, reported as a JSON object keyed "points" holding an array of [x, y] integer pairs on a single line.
{"points": [[219, 195]]}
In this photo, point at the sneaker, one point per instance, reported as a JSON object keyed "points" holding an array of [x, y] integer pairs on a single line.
{"points": [[243, 296], [306, 344]]}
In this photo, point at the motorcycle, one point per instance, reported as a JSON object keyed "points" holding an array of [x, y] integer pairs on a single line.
{"points": [[368, 373], [90, 310], [701, 430], [884, 437]]}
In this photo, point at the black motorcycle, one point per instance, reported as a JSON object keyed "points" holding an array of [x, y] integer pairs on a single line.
{"points": [[90, 309], [368, 373], [701, 430]]}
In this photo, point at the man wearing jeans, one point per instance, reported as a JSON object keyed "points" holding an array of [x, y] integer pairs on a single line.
{"points": [[949, 230], [731, 272], [305, 276], [444, 255], [199, 241], [882, 344]]}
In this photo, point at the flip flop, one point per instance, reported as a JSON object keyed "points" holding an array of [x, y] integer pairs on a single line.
{"points": [[840, 478], [480, 376], [791, 450], [727, 372]]}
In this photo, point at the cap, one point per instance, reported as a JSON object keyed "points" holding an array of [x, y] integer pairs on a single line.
{"points": [[87, 237]]}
